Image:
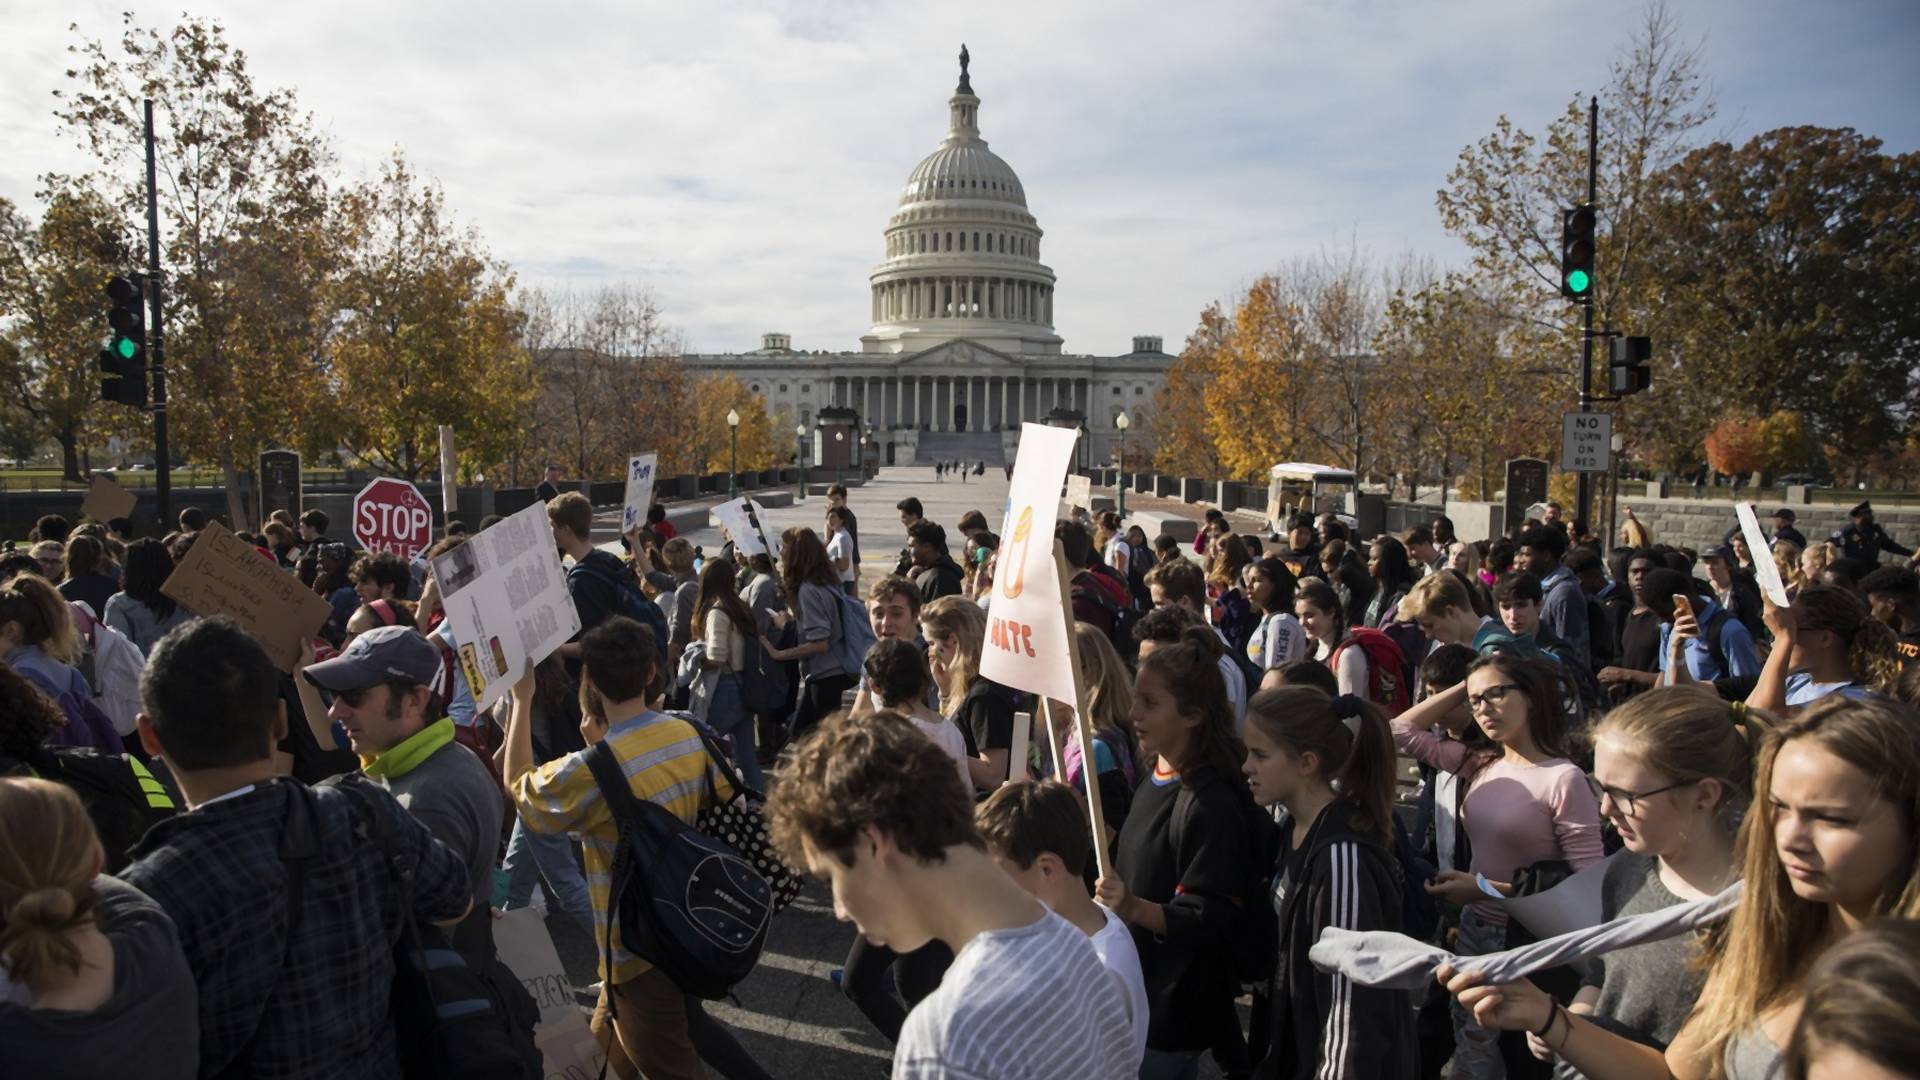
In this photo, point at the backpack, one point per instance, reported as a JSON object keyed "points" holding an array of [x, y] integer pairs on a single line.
{"points": [[1139, 561], [123, 798], [628, 601], [762, 689], [1413, 644], [684, 901], [1387, 684], [1256, 937], [1419, 911], [449, 1018], [856, 636], [112, 666]]}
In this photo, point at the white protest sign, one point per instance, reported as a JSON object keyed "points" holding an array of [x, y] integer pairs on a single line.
{"points": [[1017, 755], [743, 518], [566, 1045], [1574, 904], [1026, 638], [1763, 567], [640, 473], [506, 600], [1080, 492]]}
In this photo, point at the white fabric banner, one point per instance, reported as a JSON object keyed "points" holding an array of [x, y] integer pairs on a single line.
{"points": [[1026, 645], [745, 522], [506, 600]]}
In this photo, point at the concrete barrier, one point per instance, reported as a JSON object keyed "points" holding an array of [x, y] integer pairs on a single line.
{"points": [[1155, 523], [1193, 489]]}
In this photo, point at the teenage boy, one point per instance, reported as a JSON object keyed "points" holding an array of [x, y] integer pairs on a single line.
{"points": [[1441, 606], [1563, 607], [1729, 654], [1037, 831], [873, 808], [935, 573], [664, 761], [1518, 595], [1178, 583], [911, 514], [1641, 630], [837, 500], [290, 984], [893, 607]]}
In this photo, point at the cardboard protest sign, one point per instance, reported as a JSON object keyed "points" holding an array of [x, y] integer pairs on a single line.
{"points": [[640, 475], [1026, 639], [1763, 569], [225, 575], [107, 500], [743, 519], [1080, 492], [566, 1045], [506, 600]]}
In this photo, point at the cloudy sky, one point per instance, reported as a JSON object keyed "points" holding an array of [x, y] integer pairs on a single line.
{"points": [[741, 158]]}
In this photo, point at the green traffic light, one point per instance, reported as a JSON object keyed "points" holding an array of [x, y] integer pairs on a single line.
{"points": [[1578, 281], [126, 347]]}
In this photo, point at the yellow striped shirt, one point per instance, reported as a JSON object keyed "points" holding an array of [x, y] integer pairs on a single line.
{"points": [[664, 761]]}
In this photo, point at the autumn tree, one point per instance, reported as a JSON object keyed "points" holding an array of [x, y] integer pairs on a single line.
{"points": [[243, 205], [1735, 446], [52, 276], [1177, 415], [1259, 405]]}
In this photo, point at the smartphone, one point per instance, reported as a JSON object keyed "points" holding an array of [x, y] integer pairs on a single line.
{"points": [[1682, 606]]}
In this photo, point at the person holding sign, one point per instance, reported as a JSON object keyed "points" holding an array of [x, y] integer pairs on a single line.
{"points": [[872, 807], [1824, 643], [956, 629], [1328, 763], [813, 598], [1180, 877]]}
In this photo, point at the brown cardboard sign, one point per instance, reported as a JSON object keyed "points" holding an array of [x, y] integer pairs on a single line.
{"points": [[225, 575], [107, 500]]}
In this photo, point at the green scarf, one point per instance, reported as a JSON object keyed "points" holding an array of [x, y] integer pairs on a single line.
{"points": [[407, 755]]}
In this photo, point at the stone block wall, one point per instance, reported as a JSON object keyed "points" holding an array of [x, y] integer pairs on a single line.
{"points": [[1695, 523]]}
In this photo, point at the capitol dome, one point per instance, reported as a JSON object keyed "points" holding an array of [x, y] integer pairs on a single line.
{"points": [[962, 251]]}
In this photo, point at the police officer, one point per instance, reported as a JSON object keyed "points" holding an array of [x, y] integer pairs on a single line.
{"points": [[1864, 540]]}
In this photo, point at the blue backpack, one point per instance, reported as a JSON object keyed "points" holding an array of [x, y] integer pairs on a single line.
{"points": [[856, 635], [628, 601]]}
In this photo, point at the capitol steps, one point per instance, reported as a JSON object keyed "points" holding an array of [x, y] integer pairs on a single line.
{"points": [[969, 446]]}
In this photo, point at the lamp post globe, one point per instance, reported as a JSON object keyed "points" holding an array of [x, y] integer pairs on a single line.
{"points": [[1121, 423], [800, 460], [839, 455]]}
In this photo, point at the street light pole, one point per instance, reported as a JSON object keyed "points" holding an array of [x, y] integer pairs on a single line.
{"points": [[733, 454], [839, 456], [800, 460], [1120, 487]]}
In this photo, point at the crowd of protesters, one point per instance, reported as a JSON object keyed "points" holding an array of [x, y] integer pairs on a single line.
{"points": [[1299, 743]]}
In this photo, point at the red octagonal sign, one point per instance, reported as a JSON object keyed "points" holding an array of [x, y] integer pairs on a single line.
{"points": [[392, 515]]}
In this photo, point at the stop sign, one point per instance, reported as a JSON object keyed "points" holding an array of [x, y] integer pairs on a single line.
{"points": [[392, 515]]}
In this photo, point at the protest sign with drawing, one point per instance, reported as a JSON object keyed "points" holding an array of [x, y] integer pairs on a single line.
{"points": [[744, 521], [565, 1043], [1763, 568], [640, 474], [107, 500], [225, 575], [506, 600], [1080, 492], [1030, 620]]}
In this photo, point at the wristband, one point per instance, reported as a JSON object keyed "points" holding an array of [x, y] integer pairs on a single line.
{"points": [[1487, 887]]}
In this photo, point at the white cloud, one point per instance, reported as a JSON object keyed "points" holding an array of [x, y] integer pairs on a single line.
{"points": [[742, 158]]}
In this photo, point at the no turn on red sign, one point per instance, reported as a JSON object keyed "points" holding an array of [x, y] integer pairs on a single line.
{"points": [[392, 515]]}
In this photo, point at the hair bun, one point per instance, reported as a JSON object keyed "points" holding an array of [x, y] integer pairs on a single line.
{"points": [[44, 909]]}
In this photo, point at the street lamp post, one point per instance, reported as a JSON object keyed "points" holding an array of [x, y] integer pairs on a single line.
{"points": [[733, 454], [1120, 422], [866, 439], [839, 455], [800, 459]]}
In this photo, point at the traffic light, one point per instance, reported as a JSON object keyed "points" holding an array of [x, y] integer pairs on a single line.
{"points": [[1627, 369], [123, 363], [1576, 254]]}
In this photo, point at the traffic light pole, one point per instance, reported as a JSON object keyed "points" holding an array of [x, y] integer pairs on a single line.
{"points": [[1583, 490], [162, 463]]}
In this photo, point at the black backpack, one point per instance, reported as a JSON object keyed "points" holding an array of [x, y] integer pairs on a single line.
{"points": [[1256, 952], [629, 601], [449, 1018], [684, 901], [123, 798]]}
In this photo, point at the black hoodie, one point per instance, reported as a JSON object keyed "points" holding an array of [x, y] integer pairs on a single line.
{"points": [[943, 578], [1325, 1027]]}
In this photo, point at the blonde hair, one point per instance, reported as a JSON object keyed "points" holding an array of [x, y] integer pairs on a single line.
{"points": [[962, 620], [49, 854], [1824, 553], [1757, 960], [1435, 593], [1786, 559], [43, 615], [1108, 683], [1690, 733], [1461, 547]]}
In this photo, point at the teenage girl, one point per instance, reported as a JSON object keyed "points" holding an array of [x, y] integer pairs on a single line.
{"points": [[1278, 640], [1325, 621], [1825, 642], [1327, 763], [1110, 707], [956, 630], [1179, 873], [38, 640], [1524, 803], [1828, 847]]}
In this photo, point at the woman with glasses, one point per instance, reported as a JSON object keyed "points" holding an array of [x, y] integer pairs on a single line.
{"points": [[1525, 803]]}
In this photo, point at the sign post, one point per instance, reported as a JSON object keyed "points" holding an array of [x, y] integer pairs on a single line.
{"points": [[449, 474], [390, 514], [1586, 442]]}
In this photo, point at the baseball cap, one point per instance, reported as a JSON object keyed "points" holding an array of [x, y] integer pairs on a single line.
{"points": [[1717, 551], [385, 652]]}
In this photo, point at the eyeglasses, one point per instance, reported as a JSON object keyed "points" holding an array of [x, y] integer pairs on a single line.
{"points": [[1491, 696], [1627, 800]]}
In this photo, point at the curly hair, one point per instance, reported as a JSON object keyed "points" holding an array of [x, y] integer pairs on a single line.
{"points": [[876, 772], [27, 716], [1872, 652]]}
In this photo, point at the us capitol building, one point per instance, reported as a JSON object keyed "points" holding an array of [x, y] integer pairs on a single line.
{"points": [[962, 348]]}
